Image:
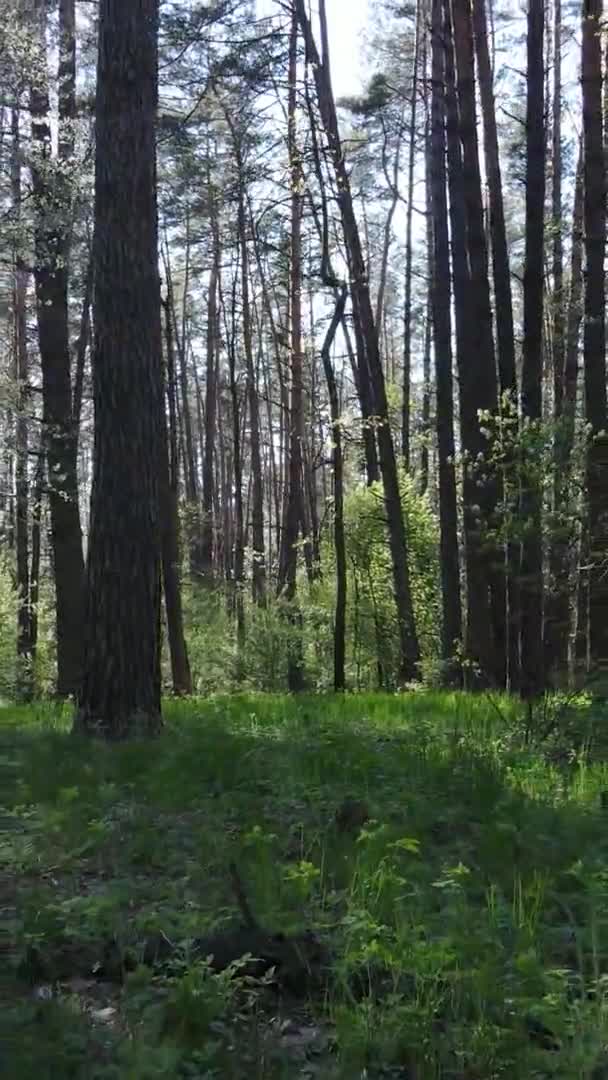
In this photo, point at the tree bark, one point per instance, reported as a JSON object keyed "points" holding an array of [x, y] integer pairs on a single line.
{"points": [[531, 584], [210, 419], [121, 691], [363, 314], [295, 495], [500, 256], [475, 349], [52, 234], [595, 328], [451, 628], [407, 314], [21, 376], [178, 652]]}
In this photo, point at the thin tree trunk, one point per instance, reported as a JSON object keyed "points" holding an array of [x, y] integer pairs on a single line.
{"points": [[531, 585], [211, 378], [180, 665], [407, 314], [21, 377], [363, 314], [451, 628], [498, 233]]}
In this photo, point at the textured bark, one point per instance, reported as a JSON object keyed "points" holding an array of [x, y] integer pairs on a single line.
{"points": [[407, 314], [338, 468], [84, 340], [178, 652], [295, 496], [595, 328], [451, 629], [425, 426], [531, 583], [210, 418], [364, 317], [257, 494], [21, 376], [474, 345], [500, 257], [52, 228], [121, 688]]}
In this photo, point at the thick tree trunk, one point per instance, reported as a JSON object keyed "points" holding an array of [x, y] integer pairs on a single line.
{"points": [[531, 584], [51, 279], [121, 689], [451, 630], [363, 314], [595, 328]]}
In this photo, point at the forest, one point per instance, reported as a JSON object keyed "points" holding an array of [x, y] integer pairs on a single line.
{"points": [[303, 539]]}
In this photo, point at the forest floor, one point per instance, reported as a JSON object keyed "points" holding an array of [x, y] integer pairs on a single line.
{"points": [[440, 883]]}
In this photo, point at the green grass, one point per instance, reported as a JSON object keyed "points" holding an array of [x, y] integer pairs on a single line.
{"points": [[466, 927]]}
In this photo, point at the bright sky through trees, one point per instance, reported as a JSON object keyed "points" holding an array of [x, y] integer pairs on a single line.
{"points": [[347, 19]]}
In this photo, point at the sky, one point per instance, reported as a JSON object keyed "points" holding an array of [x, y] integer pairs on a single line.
{"points": [[346, 20]]}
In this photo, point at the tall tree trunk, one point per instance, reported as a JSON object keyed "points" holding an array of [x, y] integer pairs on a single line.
{"points": [[595, 328], [257, 499], [21, 377], [407, 314], [52, 233], [531, 585], [180, 665], [451, 629], [295, 495], [425, 426], [364, 316], [210, 404], [121, 691], [338, 467], [557, 600], [500, 256], [475, 352]]}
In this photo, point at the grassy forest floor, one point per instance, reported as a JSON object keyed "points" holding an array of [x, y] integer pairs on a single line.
{"points": [[428, 892]]}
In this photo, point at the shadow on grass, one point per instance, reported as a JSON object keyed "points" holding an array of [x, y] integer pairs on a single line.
{"points": [[478, 880]]}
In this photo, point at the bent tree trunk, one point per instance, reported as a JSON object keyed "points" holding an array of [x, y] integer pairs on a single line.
{"points": [[121, 687], [364, 317]]}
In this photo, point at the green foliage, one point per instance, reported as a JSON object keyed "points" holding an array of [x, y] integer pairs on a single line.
{"points": [[45, 658], [465, 926], [372, 620]]}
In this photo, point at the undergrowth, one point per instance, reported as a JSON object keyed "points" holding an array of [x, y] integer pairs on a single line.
{"points": [[464, 924]]}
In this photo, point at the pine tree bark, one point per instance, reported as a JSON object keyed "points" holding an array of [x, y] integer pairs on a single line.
{"points": [[121, 689], [169, 481], [531, 583], [407, 313], [294, 506], [364, 317], [595, 328], [505, 339], [484, 644], [451, 629], [21, 377], [52, 230], [210, 418]]}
